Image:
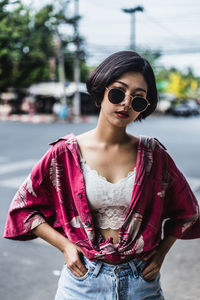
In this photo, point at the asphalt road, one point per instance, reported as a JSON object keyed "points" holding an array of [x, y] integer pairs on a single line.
{"points": [[30, 270]]}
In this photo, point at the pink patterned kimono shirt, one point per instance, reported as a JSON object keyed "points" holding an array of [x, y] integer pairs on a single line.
{"points": [[162, 203]]}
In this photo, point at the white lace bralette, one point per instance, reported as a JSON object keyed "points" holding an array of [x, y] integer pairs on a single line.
{"points": [[109, 202]]}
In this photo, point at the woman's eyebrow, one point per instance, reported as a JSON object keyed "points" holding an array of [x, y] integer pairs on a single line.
{"points": [[123, 83], [126, 85]]}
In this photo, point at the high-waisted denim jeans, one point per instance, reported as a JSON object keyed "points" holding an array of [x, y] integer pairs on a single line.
{"points": [[109, 282]]}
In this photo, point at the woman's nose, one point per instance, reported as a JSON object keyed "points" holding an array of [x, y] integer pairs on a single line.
{"points": [[127, 100]]}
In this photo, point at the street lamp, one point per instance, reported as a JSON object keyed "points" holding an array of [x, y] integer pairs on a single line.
{"points": [[132, 12]]}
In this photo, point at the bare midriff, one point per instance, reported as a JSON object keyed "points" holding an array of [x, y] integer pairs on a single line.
{"points": [[107, 233]]}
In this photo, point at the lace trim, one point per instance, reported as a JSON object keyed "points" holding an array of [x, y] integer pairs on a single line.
{"points": [[87, 168], [110, 217]]}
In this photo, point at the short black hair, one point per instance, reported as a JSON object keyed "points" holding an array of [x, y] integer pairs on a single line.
{"points": [[113, 67]]}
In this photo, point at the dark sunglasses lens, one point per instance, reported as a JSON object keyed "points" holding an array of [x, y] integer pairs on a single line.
{"points": [[115, 96], [139, 104]]}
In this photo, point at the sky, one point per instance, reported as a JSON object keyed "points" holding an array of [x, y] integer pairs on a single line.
{"points": [[171, 26]]}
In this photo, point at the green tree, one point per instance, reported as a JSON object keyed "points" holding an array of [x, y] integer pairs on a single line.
{"points": [[14, 26], [181, 85], [69, 69], [37, 50], [152, 56], [27, 42], [162, 78]]}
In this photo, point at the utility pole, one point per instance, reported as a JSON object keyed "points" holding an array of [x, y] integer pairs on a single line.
{"points": [[132, 12], [76, 100], [61, 68]]}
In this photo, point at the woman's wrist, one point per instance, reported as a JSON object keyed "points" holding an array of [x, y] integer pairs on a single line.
{"points": [[165, 245], [65, 245]]}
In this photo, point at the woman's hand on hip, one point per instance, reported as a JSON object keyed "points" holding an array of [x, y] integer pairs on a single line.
{"points": [[156, 258], [72, 255], [153, 268]]}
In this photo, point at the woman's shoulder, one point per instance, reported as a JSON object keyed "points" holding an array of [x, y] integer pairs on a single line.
{"points": [[84, 137], [151, 142], [85, 140], [70, 138], [62, 144]]}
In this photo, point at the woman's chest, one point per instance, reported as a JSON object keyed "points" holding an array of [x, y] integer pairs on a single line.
{"points": [[112, 165]]}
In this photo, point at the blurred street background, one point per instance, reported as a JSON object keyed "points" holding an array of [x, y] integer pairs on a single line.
{"points": [[47, 50]]}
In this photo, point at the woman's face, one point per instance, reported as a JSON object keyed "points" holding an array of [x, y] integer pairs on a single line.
{"points": [[122, 114]]}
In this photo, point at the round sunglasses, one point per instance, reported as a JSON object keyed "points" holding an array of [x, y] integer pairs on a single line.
{"points": [[116, 96]]}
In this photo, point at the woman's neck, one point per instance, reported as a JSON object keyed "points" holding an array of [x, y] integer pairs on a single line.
{"points": [[108, 134]]}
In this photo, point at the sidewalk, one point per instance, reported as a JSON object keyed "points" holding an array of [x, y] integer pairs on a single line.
{"points": [[47, 118]]}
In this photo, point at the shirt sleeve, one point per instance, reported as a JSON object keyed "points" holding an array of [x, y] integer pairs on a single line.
{"points": [[182, 209], [32, 204]]}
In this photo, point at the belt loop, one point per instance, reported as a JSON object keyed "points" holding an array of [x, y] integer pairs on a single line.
{"points": [[97, 269], [133, 268]]}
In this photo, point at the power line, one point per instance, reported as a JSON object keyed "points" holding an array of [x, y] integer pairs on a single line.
{"points": [[181, 51], [174, 35], [107, 49]]}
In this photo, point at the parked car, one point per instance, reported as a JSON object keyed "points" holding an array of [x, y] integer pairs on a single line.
{"points": [[186, 108]]}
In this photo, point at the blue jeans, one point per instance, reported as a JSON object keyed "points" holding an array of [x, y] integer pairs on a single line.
{"points": [[109, 282]]}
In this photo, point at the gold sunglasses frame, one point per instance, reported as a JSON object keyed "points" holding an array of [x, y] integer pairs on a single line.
{"points": [[131, 97]]}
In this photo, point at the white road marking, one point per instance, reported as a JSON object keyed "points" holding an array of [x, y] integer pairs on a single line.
{"points": [[16, 166], [13, 183]]}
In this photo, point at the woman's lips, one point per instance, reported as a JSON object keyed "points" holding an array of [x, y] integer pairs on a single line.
{"points": [[122, 114]]}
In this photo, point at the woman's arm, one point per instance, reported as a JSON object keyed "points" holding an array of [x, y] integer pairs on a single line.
{"points": [[157, 257], [71, 252]]}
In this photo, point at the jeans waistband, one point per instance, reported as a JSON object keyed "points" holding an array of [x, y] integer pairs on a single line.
{"points": [[135, 266]]}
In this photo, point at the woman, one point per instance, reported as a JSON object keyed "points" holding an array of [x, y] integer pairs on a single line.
{"points": [[102, 197]]}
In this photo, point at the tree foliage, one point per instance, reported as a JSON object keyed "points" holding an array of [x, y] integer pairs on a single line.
{"points": [[178, 83], [27, 42], [152, 56], [182, 85]]}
